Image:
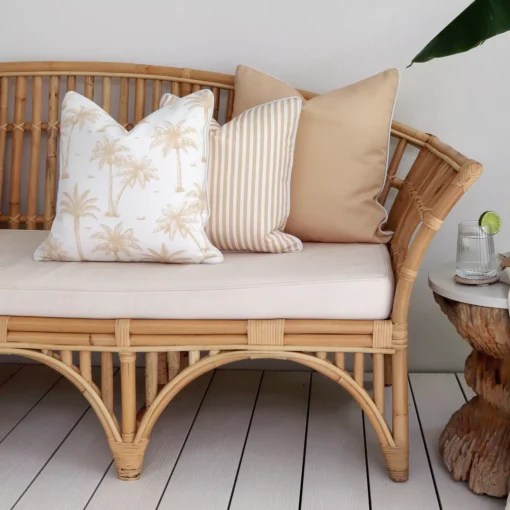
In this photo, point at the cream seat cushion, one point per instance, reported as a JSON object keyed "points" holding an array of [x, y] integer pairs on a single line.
{"points": [[324, 281]]}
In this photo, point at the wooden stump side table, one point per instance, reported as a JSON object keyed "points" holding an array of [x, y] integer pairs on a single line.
{"points": [[475, 444]]}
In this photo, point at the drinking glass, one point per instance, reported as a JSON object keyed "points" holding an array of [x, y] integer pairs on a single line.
{"points": [[476, 258]]}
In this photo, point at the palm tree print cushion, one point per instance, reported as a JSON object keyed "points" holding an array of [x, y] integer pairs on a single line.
{"points": [[250, 165], [137, 196]]}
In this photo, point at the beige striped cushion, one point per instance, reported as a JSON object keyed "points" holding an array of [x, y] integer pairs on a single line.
{"points": [[250, 165]]}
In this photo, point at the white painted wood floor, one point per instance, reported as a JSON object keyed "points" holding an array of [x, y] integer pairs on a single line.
{"points": [[235, 439]]}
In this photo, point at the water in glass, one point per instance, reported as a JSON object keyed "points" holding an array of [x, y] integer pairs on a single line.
{"points": [[476, 257]]}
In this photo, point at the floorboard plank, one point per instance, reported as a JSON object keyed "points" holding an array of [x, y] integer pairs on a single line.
{"points": [[335, 467], [206, 471], [388, 495], [21, 393], [7, 370], [165, 444], [30, 445], [70, 478], [468, 392], [438, 396], [270, 473]]}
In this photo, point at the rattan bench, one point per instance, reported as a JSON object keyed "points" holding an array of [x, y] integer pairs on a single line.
{"points": [[178, 351]]}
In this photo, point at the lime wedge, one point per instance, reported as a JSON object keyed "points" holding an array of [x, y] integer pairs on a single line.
{"points": [[490, 222]]}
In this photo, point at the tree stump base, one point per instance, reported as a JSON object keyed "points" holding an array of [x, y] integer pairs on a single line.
{"points": [[475, 446]]}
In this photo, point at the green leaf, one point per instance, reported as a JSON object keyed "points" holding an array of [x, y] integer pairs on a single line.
{"points": [[482, 20]]}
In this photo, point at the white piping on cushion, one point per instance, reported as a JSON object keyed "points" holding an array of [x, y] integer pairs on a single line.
{"points": [[381, 231]]}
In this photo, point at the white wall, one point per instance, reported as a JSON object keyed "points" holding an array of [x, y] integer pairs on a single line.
{"points": [[316, 45]]}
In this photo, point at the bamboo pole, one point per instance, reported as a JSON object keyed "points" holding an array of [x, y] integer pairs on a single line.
{"points": [[128, 395], [71, 83], [205, 347], [156, 94], [17, 152], [185, 81], [4, 110], [400, 399], [67, 358], [239, 327], [151, 377], [359, 368], [324, 326], [174, 364], [378, 369], [116, 69], [162, 369], [194, 357], [176, 88], [86, 365], [107, 380], [230, 105], [194, 327], [63, 339], [216, 94], [186, 84], [139, 100], [340, 360], [124, 102], [320, 341], [56, 325], [89, 87], [106, 103], [388, 372], [51, 153], [35, 154]]}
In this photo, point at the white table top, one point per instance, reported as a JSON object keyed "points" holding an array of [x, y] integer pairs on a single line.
{"points": [[441, 282]]}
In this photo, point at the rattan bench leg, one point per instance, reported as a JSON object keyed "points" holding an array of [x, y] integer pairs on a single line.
{"points": [[397, 461], [397, 457], [388, 372], [128, 459]]}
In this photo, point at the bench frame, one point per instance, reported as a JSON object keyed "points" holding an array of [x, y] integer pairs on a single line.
{"points": [[174, 349]]}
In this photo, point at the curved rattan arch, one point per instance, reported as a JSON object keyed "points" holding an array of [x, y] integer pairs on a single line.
{"points": [[86, 389], [338, 375]]}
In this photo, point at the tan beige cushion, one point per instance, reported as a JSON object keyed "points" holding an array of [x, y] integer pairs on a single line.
{"points": [[324, 281], [340, 158], [250, 164]]}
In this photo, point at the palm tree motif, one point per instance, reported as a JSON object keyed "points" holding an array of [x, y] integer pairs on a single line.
{"points": [[199, 205], [165, 256], [53, 249], [72, 118], [116, 242], [178, 220], [199, 193], [174, 138], [134, 171], [108, 152], [205, 100], [79, 206]]}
